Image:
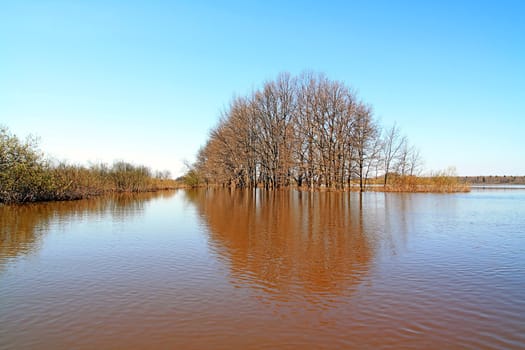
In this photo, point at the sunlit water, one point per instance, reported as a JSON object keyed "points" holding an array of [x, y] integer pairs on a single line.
{"points": [[223, 269]]}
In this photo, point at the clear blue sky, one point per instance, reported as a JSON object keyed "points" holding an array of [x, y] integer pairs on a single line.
{"points": [[144, 81]]}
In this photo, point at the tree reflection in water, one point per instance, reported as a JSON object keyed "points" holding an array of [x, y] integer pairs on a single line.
{"points": [[288, 245], [23, 226]]}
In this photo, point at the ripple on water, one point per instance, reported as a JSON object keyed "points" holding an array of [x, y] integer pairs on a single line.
{"points": [[256, 270]]}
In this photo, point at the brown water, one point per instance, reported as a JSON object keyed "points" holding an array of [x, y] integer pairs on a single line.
{"points": [[222, 269]]}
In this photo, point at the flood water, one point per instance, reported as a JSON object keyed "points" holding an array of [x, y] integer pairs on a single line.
{"points": [[220, 269]]}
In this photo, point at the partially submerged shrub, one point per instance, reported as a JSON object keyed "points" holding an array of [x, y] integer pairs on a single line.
{"points": [[23, 175], [192, 178]]}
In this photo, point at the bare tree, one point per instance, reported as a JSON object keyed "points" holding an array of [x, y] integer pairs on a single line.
{"points": [[274, 109], [415, 162], [305, 131], [364, 136], [392, 146]]}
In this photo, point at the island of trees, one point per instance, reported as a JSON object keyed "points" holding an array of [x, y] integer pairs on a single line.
{"points": [[296, 131], [310, 132]]}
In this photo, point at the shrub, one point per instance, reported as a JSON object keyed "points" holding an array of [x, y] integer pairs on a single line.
{"points": [[26, 176]]}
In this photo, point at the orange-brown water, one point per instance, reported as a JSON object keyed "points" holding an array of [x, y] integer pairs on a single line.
{"points": [[220, 269]]}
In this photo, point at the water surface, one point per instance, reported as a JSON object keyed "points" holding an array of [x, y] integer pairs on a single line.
{"points": [[212, 269]]}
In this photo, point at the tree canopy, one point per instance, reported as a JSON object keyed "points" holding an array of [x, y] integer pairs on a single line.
{"points": [[302, 130]]}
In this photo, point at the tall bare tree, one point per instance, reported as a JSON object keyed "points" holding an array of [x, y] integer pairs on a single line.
{"points": [[305, 131], [364, 138]]}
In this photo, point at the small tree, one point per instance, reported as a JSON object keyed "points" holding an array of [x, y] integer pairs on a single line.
{"points": [[392, 147]]}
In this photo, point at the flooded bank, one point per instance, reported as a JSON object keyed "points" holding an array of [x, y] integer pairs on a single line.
{"points": [[214, 268]]}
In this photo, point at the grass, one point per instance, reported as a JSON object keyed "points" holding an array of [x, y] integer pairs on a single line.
{"points": [[439, 183]]}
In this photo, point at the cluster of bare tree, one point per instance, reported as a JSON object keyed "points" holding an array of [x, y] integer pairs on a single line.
{"points": [[305, 131]]}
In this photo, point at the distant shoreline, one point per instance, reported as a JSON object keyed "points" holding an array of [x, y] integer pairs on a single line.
{"points": [[493, 180]]}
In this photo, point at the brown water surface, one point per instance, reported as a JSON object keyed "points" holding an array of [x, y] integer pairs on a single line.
{"points": [[221, 269]]}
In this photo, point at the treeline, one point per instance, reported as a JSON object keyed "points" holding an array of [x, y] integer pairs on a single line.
{"points": [[306, 131], [26, 175], [494, 180]]}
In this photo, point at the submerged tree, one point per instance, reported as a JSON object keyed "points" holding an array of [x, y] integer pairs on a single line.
{"points": [[305, 131], [393, 143]]}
